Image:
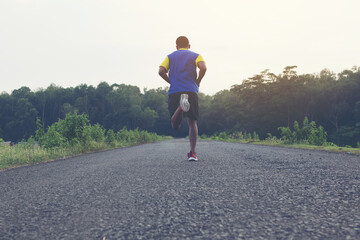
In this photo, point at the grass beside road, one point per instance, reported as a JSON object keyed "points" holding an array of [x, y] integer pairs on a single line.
{"points": [[312, 147], [273, 141], [307, 136], [70, 137], [30, 153]]}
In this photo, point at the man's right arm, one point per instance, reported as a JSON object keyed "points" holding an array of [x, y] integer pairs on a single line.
{"points": [[163, 74]]}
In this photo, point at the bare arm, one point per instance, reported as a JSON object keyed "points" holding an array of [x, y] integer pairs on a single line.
{"points": [[202, 66], [163, 74]]}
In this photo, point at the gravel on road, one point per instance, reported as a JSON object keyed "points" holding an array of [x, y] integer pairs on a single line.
{"points": [[234, 191]]}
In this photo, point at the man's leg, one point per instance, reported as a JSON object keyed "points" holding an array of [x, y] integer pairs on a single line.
{"points": [[193, 133], [177, 118]]}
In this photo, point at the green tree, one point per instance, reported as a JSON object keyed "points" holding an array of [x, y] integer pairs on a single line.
{"points": [[23, 124]]}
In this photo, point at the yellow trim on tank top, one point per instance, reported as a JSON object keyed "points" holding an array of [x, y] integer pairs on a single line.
{"points": [[166, 62]]}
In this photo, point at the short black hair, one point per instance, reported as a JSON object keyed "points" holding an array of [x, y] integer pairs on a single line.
{"points": [[182, 42]]}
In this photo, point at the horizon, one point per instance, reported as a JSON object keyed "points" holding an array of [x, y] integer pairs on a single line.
{"points": [[142, 89]]}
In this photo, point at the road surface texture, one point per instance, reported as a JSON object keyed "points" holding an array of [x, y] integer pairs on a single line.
{"points": [[234, 191]]}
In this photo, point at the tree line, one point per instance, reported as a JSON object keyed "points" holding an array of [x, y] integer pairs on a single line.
{"points": [[260, 104]]}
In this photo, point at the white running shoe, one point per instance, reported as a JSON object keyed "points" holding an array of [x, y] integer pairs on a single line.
{"points": [[184, 102]]}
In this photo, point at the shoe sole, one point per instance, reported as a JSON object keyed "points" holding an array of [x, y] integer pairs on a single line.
{"points": [[184, 103], [192, 159]]}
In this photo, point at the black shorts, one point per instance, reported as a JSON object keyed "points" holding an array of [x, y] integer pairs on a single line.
{"points": [[174, 102]]}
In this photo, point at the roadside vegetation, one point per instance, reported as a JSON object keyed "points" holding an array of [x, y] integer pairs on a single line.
{"points": [[109, 116], [307, 136], [260, 103], [70, 136]]}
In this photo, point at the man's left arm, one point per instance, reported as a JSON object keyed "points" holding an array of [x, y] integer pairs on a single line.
{"points": [[202, 70]]}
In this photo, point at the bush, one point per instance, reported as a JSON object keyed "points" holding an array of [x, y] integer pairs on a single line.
{"points": [[248, 137], [122, 135], [137, 137], [256, 137], [68, 137], [73, 126], [97, 133], [272, 139], [39, 133], [309, 133], [306, 129], [203, 136], [237, 136], [286, 135], [76, 133], [330, 144], [318, 136], [223, 136], [110, 138], [52, 138]]}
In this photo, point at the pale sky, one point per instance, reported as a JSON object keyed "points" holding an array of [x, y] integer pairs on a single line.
{"points": [[73, 42]]}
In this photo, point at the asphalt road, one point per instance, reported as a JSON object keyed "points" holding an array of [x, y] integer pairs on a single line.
{"points": [[234, 191]]}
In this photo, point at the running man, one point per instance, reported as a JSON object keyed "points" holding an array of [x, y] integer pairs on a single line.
{"points": [[184, 86]]}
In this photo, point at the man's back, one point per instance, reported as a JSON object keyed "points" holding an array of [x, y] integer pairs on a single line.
{"points": [[182, 74]]}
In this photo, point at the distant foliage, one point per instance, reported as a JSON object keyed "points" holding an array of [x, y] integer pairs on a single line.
{"points": [[261, 103], [266, 101]]}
